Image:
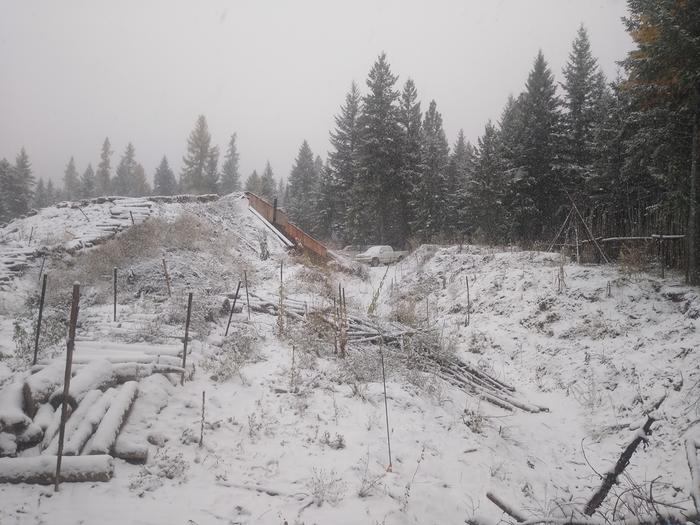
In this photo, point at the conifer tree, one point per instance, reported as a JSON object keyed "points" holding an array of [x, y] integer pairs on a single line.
{"points": [[230, 178], [71, 181], [280, 193], [339, 179], [88, 183], [459, 172], [429, 191], [267, 183], [51, 196], [40, 197], [5, 174], [20, 187], [253, 183], [303, 188], [123, 182], [139, 186], [410, 149], [164, 182], [103, 176], [211, 173], [374, 204], [326, 203], [197, 159]]}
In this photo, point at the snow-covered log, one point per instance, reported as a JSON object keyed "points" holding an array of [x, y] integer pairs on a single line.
{"points": [[518, 515], [88, 424], [42, 469], [94, 376], [8, 444], [73, 422], [30, 436], [44, 416], [38, 387], [108, 430], [691, 450], [12, 416], [129, 450]]}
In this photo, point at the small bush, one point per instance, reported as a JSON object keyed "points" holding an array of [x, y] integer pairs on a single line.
{"points": [[326, 487]]}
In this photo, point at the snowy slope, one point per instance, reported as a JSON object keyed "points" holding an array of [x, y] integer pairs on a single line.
{"points": [[297, 435]]}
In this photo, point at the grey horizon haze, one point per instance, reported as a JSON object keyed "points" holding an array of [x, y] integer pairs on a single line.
{"points": [[276, 73]]}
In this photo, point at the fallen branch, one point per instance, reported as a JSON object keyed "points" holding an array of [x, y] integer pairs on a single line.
{"points": [[42, 469]]}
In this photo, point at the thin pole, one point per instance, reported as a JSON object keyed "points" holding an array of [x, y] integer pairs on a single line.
{"points": [[115, 294], [31, 234], [167, 276], [132, 217], [386, 406], [230, 314], [469, 301], [70, 345], [201, 428], [187, 334], [247, 297], [41, 269], [38, 323]]}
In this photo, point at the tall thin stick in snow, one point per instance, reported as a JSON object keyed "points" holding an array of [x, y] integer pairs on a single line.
{"points": [[38, 322], [187, 335], [167, 276], [115, 294], [201, 428], [386, 406], [469, 301], [247, 296], [230, 314], [70, 345]]}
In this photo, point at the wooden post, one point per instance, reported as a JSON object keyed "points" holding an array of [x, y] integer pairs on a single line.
{"points": [[662, 255], [131, 214], [70, 345], [469, 301], [167, 276], [115, 294], [86, 217], [230, 314], [247, 297], [201, 428], [38, 323], [187, 334], [31, 234], [41, 269], [274, 211], [386, 406]]}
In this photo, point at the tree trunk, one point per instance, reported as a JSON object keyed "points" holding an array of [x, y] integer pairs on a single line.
{"points": [[693, 197]]}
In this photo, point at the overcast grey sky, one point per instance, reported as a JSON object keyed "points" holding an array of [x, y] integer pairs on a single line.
{"points": [[275, 72]]}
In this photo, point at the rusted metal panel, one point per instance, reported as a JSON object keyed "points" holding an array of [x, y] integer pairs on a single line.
{"points": [[293, 232]]}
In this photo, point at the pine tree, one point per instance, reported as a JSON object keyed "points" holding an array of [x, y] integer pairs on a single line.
{"points": [[538, 194], [303, 187], [40, 198], [19, 187], [51, 196], [103, 182], [230, 178], [583, 86], [71, 181], [139, 186], [198, 158], [164, 181], [374, 205], [428, 196], [253, 183], [211, 173], [410, 149], [87, 183], [5, 174], [459, 172], [326, 204], [267, 183], [123, 182], [280, 193], [338, 181]]}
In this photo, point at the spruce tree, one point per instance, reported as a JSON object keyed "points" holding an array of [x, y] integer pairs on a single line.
{"points": [[374, 209], [40, 197], [230, 178], [71, 181], [88, 183], [538, 193], [139, 186], [123, 183], [267, 183], [5, 174], [280, 193], [303, 187], [459, 172], [339, 179], [410, 153], [51, 196], [428, 197], [197, 159], [211, 174], [253, 183], [20, 190], [103, 182], [164, 181]]}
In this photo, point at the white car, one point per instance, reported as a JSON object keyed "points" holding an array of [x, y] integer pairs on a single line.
{"points": [[376, 255]]}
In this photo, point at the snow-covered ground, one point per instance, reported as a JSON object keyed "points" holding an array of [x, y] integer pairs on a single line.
{"points": [[295, 434]]}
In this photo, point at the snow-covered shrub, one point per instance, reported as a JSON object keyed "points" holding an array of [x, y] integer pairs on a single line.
{"points": [[633, 260], [336, 443], [370, 481], [326, 487], [165, 465], [403, 310], [53, 329], [237, 350]]}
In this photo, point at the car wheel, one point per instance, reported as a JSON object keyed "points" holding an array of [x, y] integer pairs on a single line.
{"points": [[375, 262]]}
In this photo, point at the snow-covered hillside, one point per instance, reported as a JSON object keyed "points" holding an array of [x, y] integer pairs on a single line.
{"points": [[295, 433]]}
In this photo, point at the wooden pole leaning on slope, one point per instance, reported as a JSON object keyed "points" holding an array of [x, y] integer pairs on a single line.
{"points": [[167, 276], [38, 322], [187, 335], [70, 346], [588, 231], [247, 296], [115, 294]]}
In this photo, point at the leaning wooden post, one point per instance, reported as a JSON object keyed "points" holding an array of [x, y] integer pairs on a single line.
{"points": [[469, 301], [38, 323], [41, 269], [230, 314], [66, 380], [131, 214], [115, 294], [187, 335], [167, 276], [247, 297], [386, 406], [662, 255], [201, 428]]}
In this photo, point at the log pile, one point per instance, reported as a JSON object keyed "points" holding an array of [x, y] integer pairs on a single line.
{"points": [[103, 389]]}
